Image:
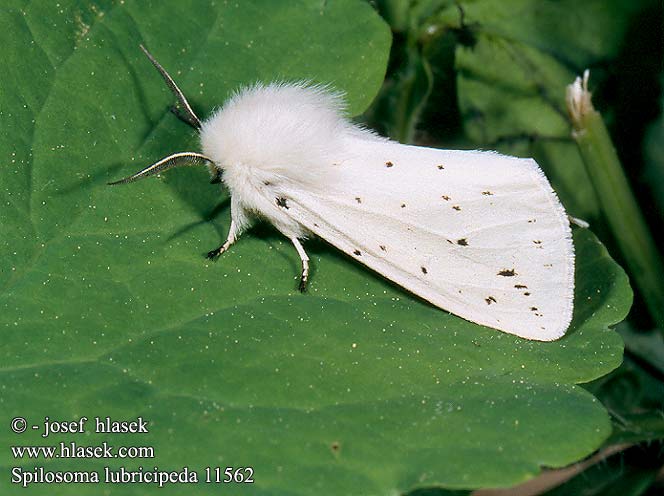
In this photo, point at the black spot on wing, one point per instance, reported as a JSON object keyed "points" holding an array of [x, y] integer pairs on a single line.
{"points": [[282, 202], [424, 270], [403, 205], [440, 167], [446, 198], [507, 273], [456, 207], [487, 193], [489, 300], [389, 164], [358, 253], [358, 199], [382, 247], [520, 286], [462, 242]]}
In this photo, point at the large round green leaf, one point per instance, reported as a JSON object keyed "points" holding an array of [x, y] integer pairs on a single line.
{"points": [[108, 307]]}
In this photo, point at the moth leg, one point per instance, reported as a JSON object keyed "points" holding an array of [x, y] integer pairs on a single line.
{"points": [[578, 222], [305, 264], [232, 237]]}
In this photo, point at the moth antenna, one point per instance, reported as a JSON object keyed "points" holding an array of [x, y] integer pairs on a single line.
{"points": [[175, 160], [183, 110]]}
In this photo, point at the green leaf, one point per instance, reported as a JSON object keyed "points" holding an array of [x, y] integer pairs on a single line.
{"points": [[633, 392], [109, 309], [647, 345]]}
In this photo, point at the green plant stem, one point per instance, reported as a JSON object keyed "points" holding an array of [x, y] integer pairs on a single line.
{"points": [[416, 85], [621, 210]]}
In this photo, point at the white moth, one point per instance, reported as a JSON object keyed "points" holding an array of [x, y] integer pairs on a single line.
{"points": [[479, 234]]}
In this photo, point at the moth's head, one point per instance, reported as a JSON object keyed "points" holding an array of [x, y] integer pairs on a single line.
{"points": [[280, 129]]}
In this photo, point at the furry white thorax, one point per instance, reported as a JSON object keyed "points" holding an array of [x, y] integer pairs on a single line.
{"points": [[268, 137]]}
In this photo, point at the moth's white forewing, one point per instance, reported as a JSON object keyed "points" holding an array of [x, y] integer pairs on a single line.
{"points": [[479, 234]]}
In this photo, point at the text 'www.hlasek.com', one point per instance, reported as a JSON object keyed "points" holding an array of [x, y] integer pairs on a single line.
{"points": [[69, 444]]}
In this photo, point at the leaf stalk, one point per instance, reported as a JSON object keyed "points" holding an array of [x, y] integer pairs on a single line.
{"points": [[620, 208]]}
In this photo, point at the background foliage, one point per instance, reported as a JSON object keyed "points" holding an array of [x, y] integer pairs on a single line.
{"points": [[108, 307], [491, 74]]}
